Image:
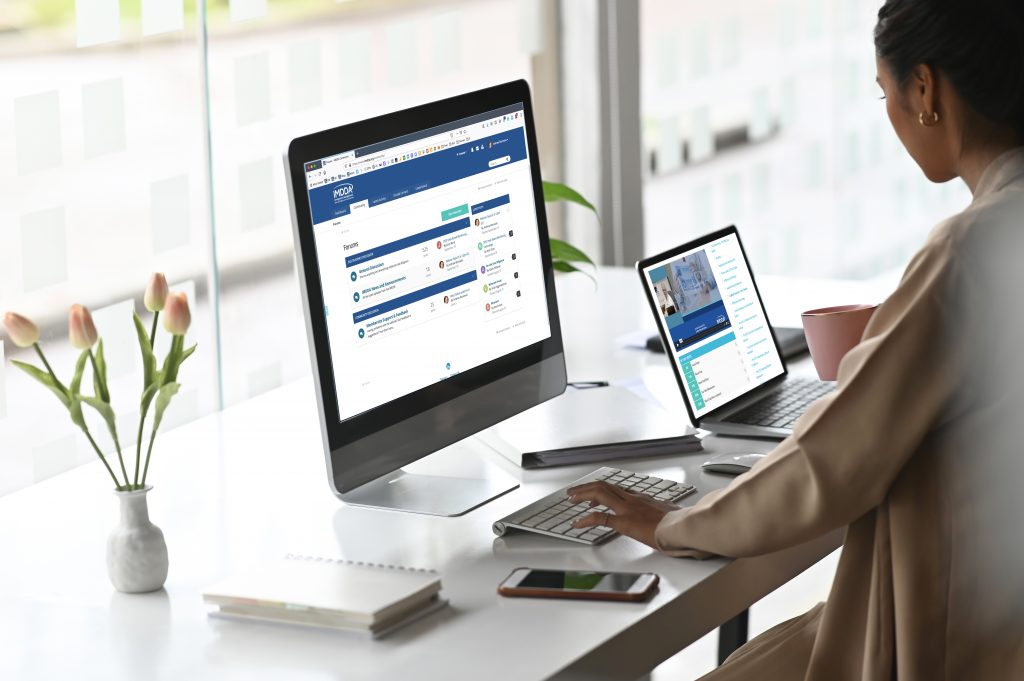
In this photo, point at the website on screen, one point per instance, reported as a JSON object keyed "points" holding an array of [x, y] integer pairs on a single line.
{"points": [[716, 324], [429, 256]]}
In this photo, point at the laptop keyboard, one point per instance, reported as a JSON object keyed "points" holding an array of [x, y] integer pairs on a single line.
{"points": [[783, 407]]}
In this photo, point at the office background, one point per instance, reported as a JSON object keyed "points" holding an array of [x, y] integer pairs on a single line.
{"points": [[141, 135]]}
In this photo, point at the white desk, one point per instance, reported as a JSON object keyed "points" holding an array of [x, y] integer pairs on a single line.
{"points": [[249, 484]]}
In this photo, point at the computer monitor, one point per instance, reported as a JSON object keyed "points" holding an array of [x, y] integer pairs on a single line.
{"points": [[423, 258]]}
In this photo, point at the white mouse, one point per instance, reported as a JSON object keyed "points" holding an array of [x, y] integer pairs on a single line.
{"points": [[732, 463]]}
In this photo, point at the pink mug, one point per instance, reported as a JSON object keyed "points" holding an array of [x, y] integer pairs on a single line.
{"points": [[832, 332]]}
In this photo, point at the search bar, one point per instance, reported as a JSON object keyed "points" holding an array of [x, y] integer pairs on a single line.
{"points": [[499, 161]]}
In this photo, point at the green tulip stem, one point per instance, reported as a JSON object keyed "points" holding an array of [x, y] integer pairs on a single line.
{"points": [[105, 396], [117, 485], [138, 447], [149, 452], [39, 351], [120, 458], [152, 332]]}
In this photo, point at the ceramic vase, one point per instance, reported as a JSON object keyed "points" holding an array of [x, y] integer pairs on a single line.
{"points": [[136, 551]]}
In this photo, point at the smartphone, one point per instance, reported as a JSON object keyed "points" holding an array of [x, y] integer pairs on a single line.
{"points": [[597, 586]]}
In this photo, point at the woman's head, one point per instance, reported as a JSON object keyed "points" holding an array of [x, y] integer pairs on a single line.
{"points": [[953, 74]]}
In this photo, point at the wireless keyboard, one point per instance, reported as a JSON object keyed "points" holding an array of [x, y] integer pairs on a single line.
{"points": [[554, 514]]}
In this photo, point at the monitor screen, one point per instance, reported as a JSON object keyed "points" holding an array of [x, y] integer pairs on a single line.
{"points": [[715, 322], [429, 256]]}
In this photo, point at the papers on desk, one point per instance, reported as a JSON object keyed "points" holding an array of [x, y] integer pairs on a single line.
{"points": [[591, 426], [334, 594]]}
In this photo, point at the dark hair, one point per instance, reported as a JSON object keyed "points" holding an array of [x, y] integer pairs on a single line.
{"points": [[977, 44]]}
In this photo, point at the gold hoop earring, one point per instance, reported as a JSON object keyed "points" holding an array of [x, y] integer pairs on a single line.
{"points": [[934, 119]]}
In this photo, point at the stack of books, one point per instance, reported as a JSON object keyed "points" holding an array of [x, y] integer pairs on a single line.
{"points": [[335, 594]]}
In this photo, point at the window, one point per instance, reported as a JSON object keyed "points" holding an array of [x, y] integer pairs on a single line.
{"points": [[766, 115], [128, 145]]}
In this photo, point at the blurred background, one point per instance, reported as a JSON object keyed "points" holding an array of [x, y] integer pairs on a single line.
{"points": [[146, 135]]}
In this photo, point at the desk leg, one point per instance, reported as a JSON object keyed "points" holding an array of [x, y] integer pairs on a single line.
{"points": [[732, 635]]}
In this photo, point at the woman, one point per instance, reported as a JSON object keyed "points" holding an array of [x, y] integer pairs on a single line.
{"points": [[919, 450]]}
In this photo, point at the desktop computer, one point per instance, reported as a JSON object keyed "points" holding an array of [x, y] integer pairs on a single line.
{"points": [[423, 258]]}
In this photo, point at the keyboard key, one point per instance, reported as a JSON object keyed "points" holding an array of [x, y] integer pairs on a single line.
{"points": [[561, 528]]}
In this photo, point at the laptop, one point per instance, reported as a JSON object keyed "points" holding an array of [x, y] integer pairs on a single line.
{"points": [[724, 353]]}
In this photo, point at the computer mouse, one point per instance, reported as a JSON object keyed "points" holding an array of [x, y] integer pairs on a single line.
{"points": [[732, 463]]}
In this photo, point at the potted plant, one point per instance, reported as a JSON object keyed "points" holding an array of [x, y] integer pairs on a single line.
{"points": [[136, 551]]}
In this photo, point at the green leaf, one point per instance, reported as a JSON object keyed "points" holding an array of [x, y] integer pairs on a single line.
{"points": [[561, 250], [188, 353], [148, 358], [163, 400], [553, 191], [76, 381], [562, 266], [105, 410], [45, 378], [75, 409], [99, 376], [173, 359], [147, 395]]}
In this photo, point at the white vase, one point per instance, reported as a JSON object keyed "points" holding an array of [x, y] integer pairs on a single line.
{"points": [[136, 551]]}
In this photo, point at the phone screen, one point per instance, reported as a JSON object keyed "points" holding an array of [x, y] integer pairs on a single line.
{"points": [[562, 580]]}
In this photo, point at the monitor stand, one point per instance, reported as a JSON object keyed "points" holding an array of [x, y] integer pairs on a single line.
{"points": [[443, 495]]}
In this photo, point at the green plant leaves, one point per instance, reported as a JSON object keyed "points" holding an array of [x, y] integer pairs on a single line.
{"points": [[147, 396], [46, 379], [99, 375], [105, 410], [163, 400], [554, 191], [76, 380], [148, 358], [564, 254], [560, 250], [173, 359]]}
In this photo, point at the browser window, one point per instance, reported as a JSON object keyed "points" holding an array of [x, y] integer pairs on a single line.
{"points": [[715, 322], [429, 256]]}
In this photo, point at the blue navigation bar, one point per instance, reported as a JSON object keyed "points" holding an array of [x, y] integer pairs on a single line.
{"points": [[408, 241], [405, 178], [489, 205], [410, 298], [705, 349]]}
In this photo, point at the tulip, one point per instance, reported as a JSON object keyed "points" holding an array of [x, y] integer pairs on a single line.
{"points": [[177, 317], [22, 331], [156, 292], [81, 329]]}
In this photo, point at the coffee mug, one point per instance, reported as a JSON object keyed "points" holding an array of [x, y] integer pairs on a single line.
{"points": [[831, 332]]}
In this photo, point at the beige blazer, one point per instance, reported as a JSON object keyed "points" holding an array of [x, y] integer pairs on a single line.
{"points": [[920, 454]]}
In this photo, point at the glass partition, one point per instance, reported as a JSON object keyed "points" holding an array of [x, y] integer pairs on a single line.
{"points": [[147, 135]]}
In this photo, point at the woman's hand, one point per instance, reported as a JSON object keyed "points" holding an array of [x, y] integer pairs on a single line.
{"points": [[632, 514]]}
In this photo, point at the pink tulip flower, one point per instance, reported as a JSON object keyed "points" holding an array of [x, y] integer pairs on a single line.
{"points": [[156, 292], [81, 329], [22, 331], [177, 317]]}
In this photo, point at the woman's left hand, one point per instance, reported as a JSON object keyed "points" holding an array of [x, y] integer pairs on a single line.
{"points": [[632, 514]]}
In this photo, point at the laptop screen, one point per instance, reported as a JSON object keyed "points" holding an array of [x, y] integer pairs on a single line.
{"points": [[710, 311]]}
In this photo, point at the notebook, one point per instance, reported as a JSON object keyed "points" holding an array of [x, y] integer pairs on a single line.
{"points": [[324, 592]]}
